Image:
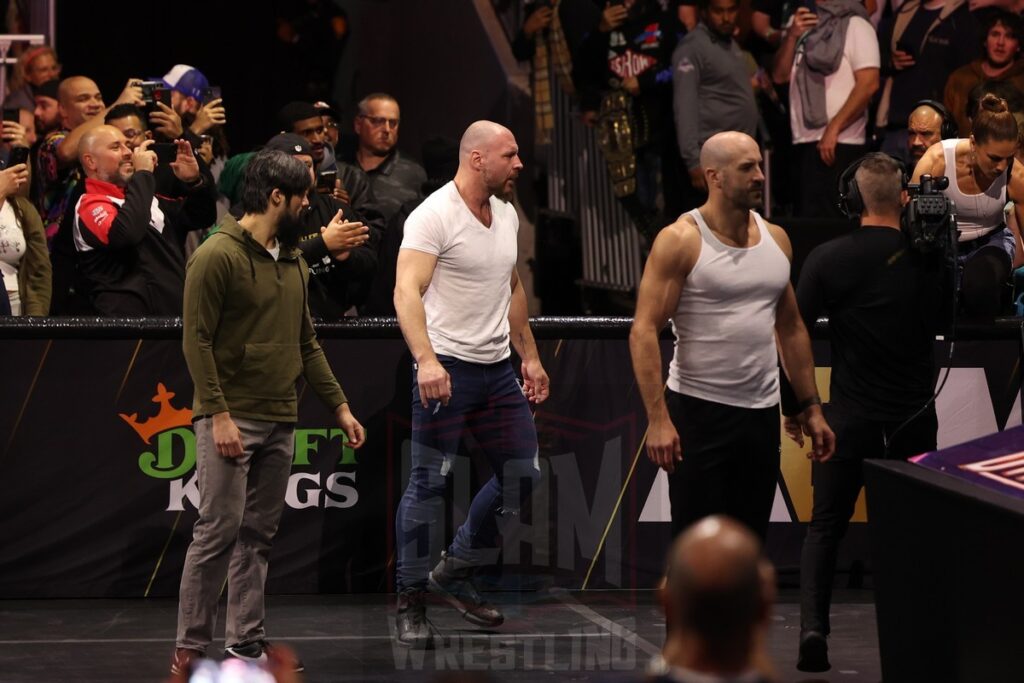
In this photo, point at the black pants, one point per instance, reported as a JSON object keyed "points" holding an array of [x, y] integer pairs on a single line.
{"points": [[818, 194], [836, 485], [730, 462]]}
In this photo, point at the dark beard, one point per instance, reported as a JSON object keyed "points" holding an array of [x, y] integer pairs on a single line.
{"points": [[289, 227]]}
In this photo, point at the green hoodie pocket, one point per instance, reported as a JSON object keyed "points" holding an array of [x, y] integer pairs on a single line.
{"points": [[267, 372]]}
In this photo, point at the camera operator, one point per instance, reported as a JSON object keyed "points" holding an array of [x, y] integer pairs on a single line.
{"points": [[884, 302], [982, 179]]}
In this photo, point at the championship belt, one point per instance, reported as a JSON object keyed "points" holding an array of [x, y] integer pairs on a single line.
{"points": [[615, 136]]}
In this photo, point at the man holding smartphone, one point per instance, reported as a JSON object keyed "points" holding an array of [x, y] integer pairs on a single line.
{"points": [[128, 240], [131, 121]]}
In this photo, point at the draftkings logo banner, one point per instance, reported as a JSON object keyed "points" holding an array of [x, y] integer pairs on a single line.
{"points": [[172, 457]]}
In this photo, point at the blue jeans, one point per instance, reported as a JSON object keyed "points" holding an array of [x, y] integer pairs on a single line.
{"points": [[488, 402]]}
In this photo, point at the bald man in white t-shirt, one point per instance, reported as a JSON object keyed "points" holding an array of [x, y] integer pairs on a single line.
{"points": [[460, 302]]}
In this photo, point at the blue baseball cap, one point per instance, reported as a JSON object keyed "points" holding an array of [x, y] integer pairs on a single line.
{"points": [[187, 80]]}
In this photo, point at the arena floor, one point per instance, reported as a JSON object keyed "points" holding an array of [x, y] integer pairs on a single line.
{"points": [[551, 636]]}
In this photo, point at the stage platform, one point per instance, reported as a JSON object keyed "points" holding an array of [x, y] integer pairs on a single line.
{"points": [[550, 636]]}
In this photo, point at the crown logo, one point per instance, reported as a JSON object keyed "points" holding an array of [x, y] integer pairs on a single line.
{"points": [[169, 417]]}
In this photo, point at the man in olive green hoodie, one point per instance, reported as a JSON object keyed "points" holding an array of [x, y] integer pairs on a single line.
{"points": [[247, 339]]}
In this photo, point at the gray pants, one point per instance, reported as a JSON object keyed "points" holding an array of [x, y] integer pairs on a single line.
{"points": [[240, 504]]}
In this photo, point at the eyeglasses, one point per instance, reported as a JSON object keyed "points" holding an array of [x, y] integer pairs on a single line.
{"points": [[378, 121]]}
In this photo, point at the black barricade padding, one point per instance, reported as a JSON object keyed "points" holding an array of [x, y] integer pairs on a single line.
{"points": [[97, 450], [948, 563], [548, 327]]}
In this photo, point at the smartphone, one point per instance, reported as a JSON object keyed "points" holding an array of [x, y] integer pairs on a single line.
{"points": [[325, 181], [19, 155], [166, 152], [12, 114], [211, 93], [148, 88], [163, 96]]}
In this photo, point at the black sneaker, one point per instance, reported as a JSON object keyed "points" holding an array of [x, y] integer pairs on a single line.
{"points": [[181, 661], [256, 651], [813, 657], [452, 579], [411, 626], [247, 652]]}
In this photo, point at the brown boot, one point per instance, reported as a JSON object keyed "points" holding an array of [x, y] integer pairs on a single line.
{"points": [[452, 579]]}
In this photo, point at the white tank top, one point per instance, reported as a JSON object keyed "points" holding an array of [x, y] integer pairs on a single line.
{"points": [[976, 214], [725, 321]]}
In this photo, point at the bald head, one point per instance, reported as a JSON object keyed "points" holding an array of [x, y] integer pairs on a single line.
{"points": [[723, 149], [926, 115], [78, 100], [924, 129], [732, 169], [719, 587], [480, 136], [100, 136], [714, 553], [105, 155], [489, 161]]}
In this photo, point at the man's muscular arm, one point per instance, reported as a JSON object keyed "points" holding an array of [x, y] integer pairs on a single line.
{"points": [[672, 257], [798, 361]]}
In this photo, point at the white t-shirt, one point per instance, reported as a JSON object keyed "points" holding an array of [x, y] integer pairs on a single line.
{"points": [[12, 250], [860, 51], [468, 299]]}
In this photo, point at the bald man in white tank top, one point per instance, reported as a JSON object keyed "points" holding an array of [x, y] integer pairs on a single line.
{"points": [[983, 178], [721, 274]]}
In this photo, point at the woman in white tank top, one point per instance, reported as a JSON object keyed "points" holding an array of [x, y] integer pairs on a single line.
{"points": [[982, 179]]}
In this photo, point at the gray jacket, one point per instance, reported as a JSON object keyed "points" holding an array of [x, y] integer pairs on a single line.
{"points": [[822, 53], [711, 91]]}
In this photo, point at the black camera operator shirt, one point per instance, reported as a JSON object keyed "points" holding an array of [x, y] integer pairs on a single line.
{"points": [[885, 302]]}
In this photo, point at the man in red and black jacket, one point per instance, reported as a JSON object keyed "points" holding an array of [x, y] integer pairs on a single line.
{"points": [[129, 239]]}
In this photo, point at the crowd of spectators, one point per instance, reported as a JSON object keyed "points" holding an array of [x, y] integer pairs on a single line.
{"points": [[819, 82], [102, 202]]}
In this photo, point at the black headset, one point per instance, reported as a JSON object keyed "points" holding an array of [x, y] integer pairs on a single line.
{"points": [[851, 203], [949, 129]]}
